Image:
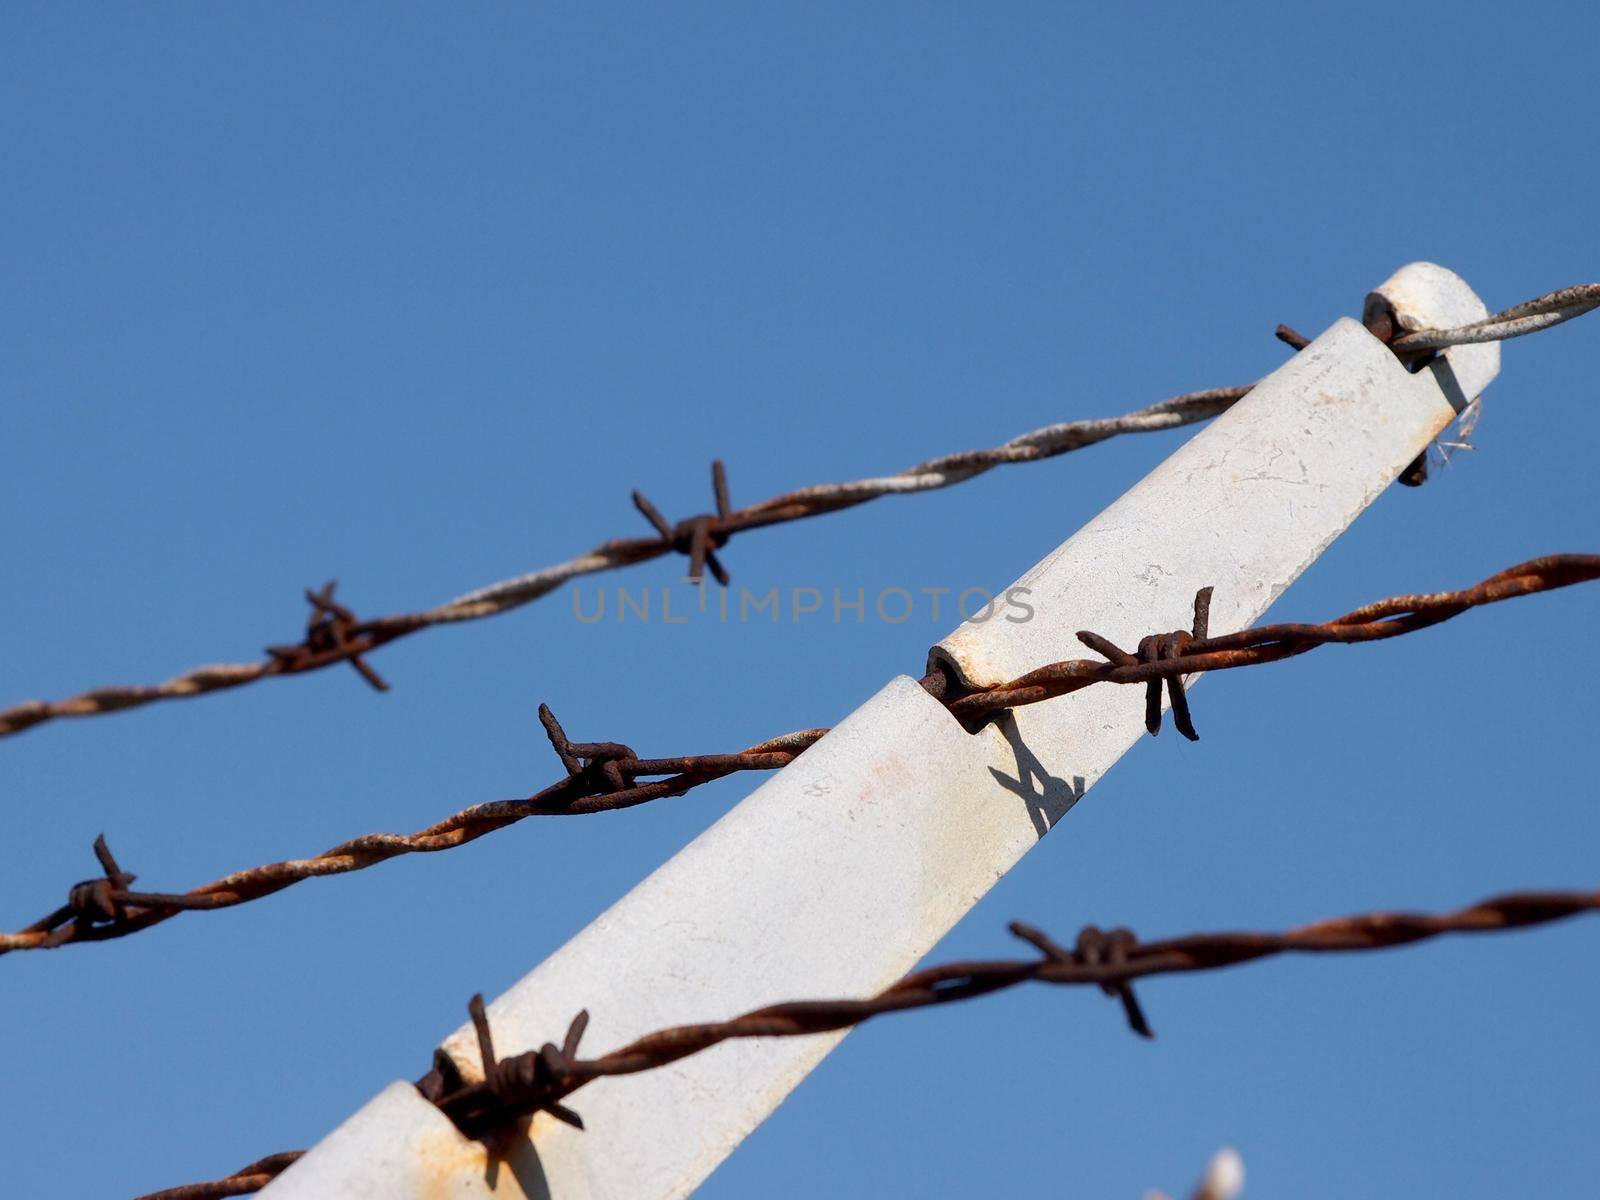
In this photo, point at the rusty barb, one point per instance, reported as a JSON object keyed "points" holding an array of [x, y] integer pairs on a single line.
{"points": [[1161, 648], [698, 537], [512, 1088], [597, 767], [100, 908], [335, 635], [515, 1088], [609, 776]]}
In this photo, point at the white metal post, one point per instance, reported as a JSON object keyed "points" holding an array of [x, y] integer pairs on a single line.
{"points": [[840, 872]]}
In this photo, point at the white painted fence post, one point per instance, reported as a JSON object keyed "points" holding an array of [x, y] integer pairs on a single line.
{"points": [[840, 872]]}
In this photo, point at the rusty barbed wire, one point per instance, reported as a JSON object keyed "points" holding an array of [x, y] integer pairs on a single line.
{"points": [[605, 776], [1168, 657], [243, 1182], [541, 1080], [601, 777], [514, 1088]]}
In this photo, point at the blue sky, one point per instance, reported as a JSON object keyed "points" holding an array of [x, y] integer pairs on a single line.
{"points": [[413, 297]]}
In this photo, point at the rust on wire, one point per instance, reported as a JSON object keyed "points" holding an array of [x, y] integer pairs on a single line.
{"points": [[600, 777], [698, 537], [606, 776], [541, 1080], [1292, 338], [1268, 643], [242, 1182], [333, 634], [514, 1088]]}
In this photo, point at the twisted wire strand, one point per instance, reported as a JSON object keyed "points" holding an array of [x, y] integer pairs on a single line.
{"points": [[361, 637], [605, 776], [1271, 643], [516, 1087], [243, 1182], [99, 910], [1110, 961], [698, 535], [1542, 312]]}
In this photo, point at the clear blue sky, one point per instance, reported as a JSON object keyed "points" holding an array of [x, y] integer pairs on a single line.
{"points": [[414, 296]]}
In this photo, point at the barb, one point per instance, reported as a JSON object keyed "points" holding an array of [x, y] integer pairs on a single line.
{"points": [[699, 537], [242, 1182], [605, 776], [336, 636], [541, 1080], [516, 1087], [333, 634]]}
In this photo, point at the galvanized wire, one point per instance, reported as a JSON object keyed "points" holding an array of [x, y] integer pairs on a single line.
{"points": [[1542, 312], [606, 776], [335, 635], [514, 1088]]}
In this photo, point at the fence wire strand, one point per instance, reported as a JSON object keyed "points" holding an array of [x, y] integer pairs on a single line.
{"points": [[335, 635], [606, 776], [1543, 312], [504, 1092], [243, 1182]]}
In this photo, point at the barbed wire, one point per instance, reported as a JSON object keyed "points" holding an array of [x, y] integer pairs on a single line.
{"points": [[606, 776], [1169, 657], [334, 634], [539, 1080], [513, 1089], [243, 1182]]}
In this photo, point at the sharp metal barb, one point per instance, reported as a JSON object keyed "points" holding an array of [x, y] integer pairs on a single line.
{"points": [[1289, 337]]}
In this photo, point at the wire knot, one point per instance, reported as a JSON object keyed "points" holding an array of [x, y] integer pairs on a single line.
{"points": [[1096, 949], [333, 632], [518, 1086], [100, 901], [596, 767], [1156, 648], [699, 537]]}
